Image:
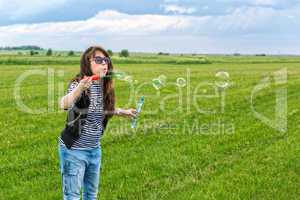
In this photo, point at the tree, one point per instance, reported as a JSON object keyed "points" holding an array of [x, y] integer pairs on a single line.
{"points": [[49, 52], [110, 52], [31, 52], [163, 54], [124, 53], [71, 53]]}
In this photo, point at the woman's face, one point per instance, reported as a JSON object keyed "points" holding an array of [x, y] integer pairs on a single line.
{"points": [[99, 69]]}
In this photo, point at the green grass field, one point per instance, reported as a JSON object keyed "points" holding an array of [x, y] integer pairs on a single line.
{"points": [[233, 155]]}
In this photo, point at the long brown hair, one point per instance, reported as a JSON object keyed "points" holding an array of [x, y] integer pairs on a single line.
{"points": [[108, 86]]}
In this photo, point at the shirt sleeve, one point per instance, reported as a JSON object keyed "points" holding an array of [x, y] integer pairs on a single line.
{"points": [[71, 87]]}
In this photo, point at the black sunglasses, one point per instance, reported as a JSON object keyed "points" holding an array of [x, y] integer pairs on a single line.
{"points": [[100, 60]]}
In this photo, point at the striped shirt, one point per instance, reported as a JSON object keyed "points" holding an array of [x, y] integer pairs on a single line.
{"points": [[92, 130]]}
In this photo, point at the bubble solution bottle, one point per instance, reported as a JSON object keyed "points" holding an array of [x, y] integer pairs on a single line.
{"points": [[138, 110]]}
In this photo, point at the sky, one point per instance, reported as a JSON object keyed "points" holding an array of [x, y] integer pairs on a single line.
{"points": [[174, 26]]}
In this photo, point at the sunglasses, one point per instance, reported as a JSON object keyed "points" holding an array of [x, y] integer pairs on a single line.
{"points": [[102, 60]]}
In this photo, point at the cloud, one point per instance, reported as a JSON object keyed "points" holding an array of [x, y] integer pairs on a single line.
{"points": [[106, 22], [37, 11], [181, 32], [177, 9], [265, 2], [275, 4], [246, 19]]}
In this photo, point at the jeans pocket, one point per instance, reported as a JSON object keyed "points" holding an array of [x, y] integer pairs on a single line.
{"points": [[71, 180]]}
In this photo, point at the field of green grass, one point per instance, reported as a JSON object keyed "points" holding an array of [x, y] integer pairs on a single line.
{"points": [[177, 151]]}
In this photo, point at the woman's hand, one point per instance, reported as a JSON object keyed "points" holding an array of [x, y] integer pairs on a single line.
{"points": [[85, 83], [68, 100], [127, 112]]}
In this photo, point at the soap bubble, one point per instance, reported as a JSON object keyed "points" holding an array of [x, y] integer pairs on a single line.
{"points": [[162, 79], [157, 84], [128, 79], [223, 79], [119, 75], [181, 82]]}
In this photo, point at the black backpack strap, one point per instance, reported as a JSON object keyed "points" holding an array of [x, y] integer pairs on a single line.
{"points": [[75, 119]]}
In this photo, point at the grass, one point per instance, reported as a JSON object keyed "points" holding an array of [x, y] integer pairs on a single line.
{"points": [[248, 160]]}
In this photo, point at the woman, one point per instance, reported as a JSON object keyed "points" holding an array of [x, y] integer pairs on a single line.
{"points": [[80, 164]]}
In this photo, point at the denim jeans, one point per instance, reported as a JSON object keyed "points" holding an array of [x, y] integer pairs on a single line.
{"points": [[80, 170]]}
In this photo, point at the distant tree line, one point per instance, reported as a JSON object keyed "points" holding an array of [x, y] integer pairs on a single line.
{"points": [[36, 50], [25, 47]]}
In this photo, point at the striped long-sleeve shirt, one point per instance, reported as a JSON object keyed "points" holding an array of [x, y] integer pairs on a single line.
{"points": [[92, 130]]}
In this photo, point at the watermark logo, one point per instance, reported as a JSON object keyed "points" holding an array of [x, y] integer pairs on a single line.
{"points": [[279, 122], [185, 100]]}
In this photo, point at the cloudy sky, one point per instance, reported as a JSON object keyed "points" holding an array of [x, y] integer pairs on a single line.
{"points": [[186, 26]]}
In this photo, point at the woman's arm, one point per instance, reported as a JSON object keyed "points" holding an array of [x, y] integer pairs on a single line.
{"points": [[70, 98], [125, 112]]}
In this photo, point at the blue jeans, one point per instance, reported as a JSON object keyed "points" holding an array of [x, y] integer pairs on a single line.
{"points": [[80, 169]]}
